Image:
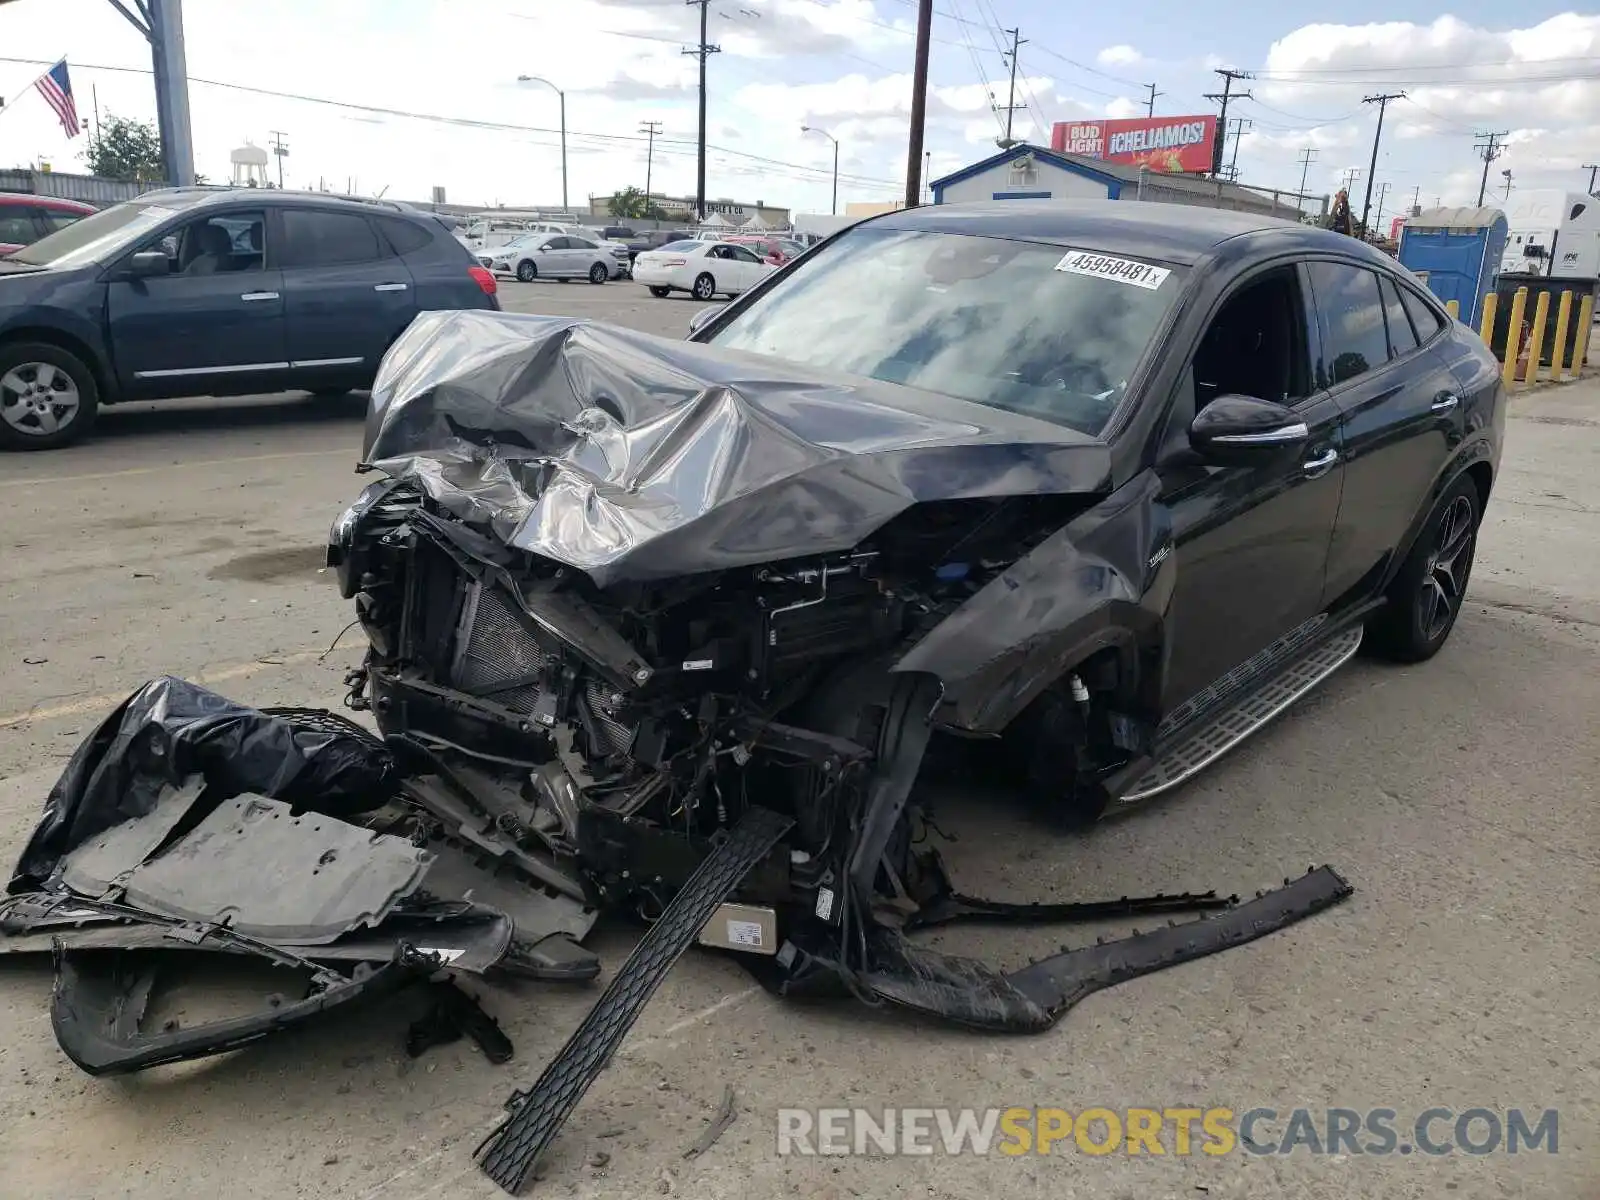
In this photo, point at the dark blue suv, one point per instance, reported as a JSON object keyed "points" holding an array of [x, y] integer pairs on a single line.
{"points": [[216, 292]]}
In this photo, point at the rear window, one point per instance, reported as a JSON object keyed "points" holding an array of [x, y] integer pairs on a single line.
{"points": [[405, 236], [314, 238], [682, 247]]}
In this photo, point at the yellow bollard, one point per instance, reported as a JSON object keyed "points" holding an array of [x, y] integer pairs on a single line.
{"points": [[1558, 352], [1519, 304], [1541, 314], [1491, 305], [1580, 356], [1453, 307]]}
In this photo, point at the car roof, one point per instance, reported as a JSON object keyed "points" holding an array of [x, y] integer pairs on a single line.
{"points": [[1177, 233], [58, 202], [207, 196]]}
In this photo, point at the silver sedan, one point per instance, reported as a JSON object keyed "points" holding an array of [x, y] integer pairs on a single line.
{"points": [[550, 256]]}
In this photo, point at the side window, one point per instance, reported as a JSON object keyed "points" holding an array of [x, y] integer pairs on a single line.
{"points": [[1351, 312], [16, 225], [744, 255], [1402, 340], [1424, 319], [577, 243], [55, 219], [560, 243], [1256, 344], [313, 238], [214, 245], [405, 237]]}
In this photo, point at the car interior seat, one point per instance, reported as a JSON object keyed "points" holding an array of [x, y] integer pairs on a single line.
{"points": [[216, 251]]}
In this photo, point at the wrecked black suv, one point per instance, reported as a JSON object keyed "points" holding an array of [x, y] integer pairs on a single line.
{"points": [[1091, 491]]}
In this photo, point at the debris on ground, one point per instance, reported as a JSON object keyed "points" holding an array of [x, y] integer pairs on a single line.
{"points": [[719, 1125]]}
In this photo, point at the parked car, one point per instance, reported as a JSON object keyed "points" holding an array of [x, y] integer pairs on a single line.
{"points": [[24, 219], [703, 269], [552, 256], [776, 251], [199, 291], [654, 239]]}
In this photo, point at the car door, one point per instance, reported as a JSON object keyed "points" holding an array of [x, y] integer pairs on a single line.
{"points": [[214, 322], [1249, 543], [750, 266], [347, 295], [1401, 418], [581, 256]]}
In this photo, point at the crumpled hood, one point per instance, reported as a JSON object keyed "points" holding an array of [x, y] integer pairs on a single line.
{"points": [[629, 456]]}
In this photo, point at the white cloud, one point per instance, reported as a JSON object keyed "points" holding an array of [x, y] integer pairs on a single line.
{"points": [[1122, 55]]}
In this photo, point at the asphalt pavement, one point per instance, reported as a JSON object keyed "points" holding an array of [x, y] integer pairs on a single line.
{"points": [[1458, 797]]}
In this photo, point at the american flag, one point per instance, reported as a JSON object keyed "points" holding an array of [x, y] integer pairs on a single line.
{"points": [[56, 88]]}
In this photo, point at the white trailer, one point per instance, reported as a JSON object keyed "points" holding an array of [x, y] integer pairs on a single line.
{"points": [[1552, 233]]}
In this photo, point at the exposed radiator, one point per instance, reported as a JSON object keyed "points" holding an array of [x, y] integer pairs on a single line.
{"points": [[494, 647]]}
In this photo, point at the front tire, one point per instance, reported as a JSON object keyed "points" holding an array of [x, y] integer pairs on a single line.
{"points": [[48, 397], [527, 272], [705, 286], [598, 273], [660, 293], [1426, 596]]}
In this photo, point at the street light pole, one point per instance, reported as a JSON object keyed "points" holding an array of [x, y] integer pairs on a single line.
{"points": [[835, 141], [563, 97]]}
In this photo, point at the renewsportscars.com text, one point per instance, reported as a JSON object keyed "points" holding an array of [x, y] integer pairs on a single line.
{"points": [[1180, 1132]]}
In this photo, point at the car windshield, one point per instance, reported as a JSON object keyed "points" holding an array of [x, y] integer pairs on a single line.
{"points": [[1038, 329], [95, 237]]}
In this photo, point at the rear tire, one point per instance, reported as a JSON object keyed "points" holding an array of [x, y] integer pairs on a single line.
{"points": [[598, 273], [660, 293], [48, 397], [705, 287], [527, 272], [1426, 596]]}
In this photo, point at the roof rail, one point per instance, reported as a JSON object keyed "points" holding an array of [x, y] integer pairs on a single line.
{"points": [[187, 189]]}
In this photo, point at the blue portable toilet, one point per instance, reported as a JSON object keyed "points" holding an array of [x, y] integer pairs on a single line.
{"points": [[1456, 252]]}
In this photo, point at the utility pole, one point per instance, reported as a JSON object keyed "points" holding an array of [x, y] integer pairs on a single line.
{"points": [[1227, 93], [919, 103], [1507, 174], [927, 174], [1416, 197], [1383, 193], [1489, 148], [280, 151], [160, 22], [1150, 101], [1589, 167], [1306, 156], [1240, 124], [651, 128], [1350, 177], [1382, 102], [703, 51], [1017, 41]]}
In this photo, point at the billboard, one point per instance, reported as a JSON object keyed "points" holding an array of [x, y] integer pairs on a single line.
{"points": [[1159, 143]]}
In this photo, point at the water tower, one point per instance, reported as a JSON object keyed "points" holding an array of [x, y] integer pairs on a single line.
{"points": [[249, 165]]}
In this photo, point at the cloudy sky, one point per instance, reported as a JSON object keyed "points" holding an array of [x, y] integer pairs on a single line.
{"points": [[406, 95]]}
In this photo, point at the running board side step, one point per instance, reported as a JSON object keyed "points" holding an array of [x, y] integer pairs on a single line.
{"points": [[1215, 735], [509, 1154]]}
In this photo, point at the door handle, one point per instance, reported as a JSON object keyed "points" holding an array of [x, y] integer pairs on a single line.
{"points": [[248, 296], [389, 287], [1444, 402], [1320, 465]]}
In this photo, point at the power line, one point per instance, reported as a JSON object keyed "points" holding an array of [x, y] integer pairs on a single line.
{"points": [[1489, 149], [1382, 101], [469, 122], [1150, 101], [1380, 68]]}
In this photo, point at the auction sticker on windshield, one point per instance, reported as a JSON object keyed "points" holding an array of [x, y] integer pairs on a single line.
{"points": [[1105, 266]]}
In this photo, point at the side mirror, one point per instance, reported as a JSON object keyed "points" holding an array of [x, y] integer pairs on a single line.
{"points": [[1242, 430], [698, 321], [148, 263]]}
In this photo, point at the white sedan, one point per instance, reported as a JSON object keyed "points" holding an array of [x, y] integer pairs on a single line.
{"points": [[702, 268], [550, 256]]}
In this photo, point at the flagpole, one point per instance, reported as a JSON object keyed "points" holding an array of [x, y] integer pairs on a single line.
{"points": [[12, 103]]}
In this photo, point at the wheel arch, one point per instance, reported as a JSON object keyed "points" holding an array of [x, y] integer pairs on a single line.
{"points": [[1474, 464], [49, 335]]}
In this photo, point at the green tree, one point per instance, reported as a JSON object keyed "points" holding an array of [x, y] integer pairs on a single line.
{"points": [[628, 204], [125, 149]]}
